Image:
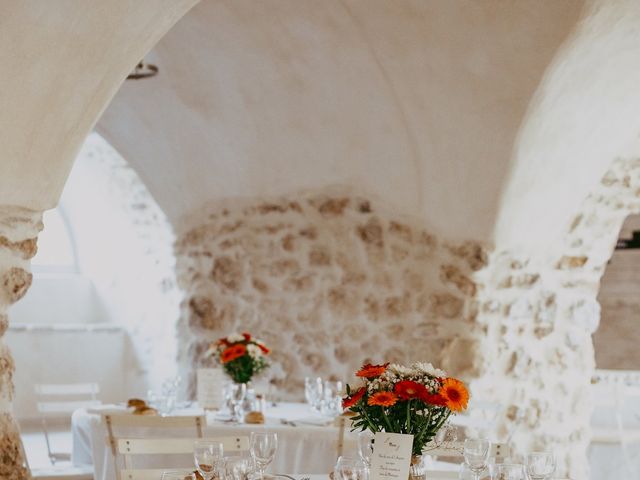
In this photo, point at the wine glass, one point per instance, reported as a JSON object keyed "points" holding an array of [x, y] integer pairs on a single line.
{"points": [[208, 457], [237, 392], [508, 471], [263, 446], [350, 468], [178, 475], [476, 454], [365, 447], [540, 465]]}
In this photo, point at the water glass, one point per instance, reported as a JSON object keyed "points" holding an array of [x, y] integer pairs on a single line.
{"points": [[466, 474], [350, 468], [476, 454], [238, 468], [313, 392], [208, 458], [508, 471], [365, 447], [540, 465], [263, 447], [237, 392], [178, 475]]}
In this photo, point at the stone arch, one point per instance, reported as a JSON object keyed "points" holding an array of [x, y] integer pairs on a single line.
{"points": [[45, 120]]}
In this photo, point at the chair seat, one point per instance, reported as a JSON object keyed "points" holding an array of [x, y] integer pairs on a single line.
{"points": [[63, 473]]}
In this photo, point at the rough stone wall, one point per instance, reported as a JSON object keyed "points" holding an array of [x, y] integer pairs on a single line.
{"points": [[539, 315], [329, 281], [18, 233]]}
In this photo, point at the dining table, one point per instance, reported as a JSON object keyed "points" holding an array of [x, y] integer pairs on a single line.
{"points": [[307, 442]]}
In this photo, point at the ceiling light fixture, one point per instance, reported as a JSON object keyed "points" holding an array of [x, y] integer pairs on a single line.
{"points": [[143, 70]]}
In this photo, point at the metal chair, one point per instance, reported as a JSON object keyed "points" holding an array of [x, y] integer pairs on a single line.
{"points": [[60, 401]]}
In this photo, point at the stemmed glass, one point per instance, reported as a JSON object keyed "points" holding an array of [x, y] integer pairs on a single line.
{"points": [[263, 446], [350, 468], [208, 457], [508, 471], [365, 447], [540, 465], [476, 454], [237, 392], [178, 475]]}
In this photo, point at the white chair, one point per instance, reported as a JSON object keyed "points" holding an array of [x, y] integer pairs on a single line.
{"points": [[127, 421], [129, 448], [59, 401]]}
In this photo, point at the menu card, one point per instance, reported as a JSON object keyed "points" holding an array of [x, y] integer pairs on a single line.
{"points": [[210, 383], [391, 456]]}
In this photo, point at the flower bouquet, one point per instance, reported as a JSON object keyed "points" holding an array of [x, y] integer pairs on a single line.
{"points": [[415, 400], [241, 356]]}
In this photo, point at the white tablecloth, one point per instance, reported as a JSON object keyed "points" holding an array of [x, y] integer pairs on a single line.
{"points": [[307, 449]]}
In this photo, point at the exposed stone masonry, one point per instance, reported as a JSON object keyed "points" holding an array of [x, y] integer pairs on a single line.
{"points": [[18, 232], [329, 281]]}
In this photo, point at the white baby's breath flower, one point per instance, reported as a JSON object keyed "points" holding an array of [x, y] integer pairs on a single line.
{"points": [[254, 351], [400, 370], [429, 369], [235, 337]]}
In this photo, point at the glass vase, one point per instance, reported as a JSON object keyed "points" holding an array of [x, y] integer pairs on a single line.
{"points": [[417, 469]]}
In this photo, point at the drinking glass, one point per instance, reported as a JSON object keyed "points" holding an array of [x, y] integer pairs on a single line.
{"points": [[208, 457], [237, 392], [350, 468], [313, 392], [263, 446], [365, 447], [540, 465], [476, 455], [508, 471], [178, 475], [466, 474], [238, 468]]}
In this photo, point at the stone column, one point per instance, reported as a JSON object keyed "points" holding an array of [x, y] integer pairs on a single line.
{"points": [[18, 235]]}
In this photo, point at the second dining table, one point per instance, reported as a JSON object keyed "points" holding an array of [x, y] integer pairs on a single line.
{"points": [[307, 443]]}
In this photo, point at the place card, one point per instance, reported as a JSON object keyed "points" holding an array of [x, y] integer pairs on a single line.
{"points": [[210, 384], [391, 456]]}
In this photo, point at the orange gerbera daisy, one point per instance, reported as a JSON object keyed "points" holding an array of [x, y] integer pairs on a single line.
{"points": [[355, 397], [407, 389], [455, 394], [371, 371], [233, 352], [383, 399]]}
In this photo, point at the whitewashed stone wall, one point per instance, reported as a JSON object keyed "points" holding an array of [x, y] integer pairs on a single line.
{"points": [[18, 233], [329, 281], [125, 247]]}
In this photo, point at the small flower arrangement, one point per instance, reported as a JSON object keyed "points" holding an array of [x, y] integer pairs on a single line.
{"points": [[415, 400], [241, 356]]}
